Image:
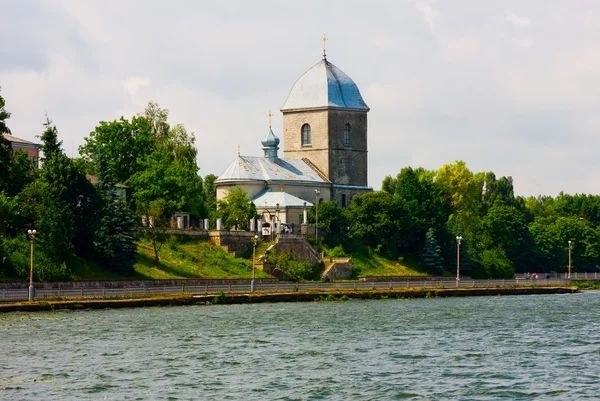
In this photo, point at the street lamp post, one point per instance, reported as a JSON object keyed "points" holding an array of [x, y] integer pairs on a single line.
{"points": [[458, 239], [253, 282], [31, 235], [570, 249], [317, 193], [277, 220]]}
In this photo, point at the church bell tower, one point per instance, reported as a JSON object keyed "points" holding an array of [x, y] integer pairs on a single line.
{"points": [[325, 124]]}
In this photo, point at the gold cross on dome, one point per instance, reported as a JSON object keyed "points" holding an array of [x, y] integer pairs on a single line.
{"points": [[269, 115], [238, 150], [324, 44]]}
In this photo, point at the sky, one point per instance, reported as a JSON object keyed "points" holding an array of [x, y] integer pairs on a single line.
{"points": [[511, 87]]}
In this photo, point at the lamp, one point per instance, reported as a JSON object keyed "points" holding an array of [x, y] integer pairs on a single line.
{"points": [[317, 193], [31, 234], [253, 283], [458, 239]]}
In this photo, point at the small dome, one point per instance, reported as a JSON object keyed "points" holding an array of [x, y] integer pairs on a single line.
{"points": [[324, 85], [270, 140]]}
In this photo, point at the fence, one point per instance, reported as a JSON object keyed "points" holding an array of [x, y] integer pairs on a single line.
{"points": [[242, 288]]}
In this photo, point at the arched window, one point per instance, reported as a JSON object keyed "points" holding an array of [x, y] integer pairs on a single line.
{"points": [[305, 135], [347, 130]]}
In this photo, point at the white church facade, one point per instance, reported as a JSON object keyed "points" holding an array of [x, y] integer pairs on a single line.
{"points": [[324, 152]]}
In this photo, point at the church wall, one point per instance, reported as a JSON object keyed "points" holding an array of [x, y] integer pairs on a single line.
{"points": [[340, 193], [251, 188], [292, 137], [348, 164]]}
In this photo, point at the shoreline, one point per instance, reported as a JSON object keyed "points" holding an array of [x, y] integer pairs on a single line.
{"points": [[304, 296]]}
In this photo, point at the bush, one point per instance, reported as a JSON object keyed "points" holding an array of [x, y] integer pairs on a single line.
{"points": [[17, 251], [290, 266]]}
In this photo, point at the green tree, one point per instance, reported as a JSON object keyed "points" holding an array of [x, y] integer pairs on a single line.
{"points": [[462, 190], [210, 196], [156, 231], [432, 255], [332, 222], [425, 206], [4, 115], [178, 184], [376, 219], [50, 146], [236, 208], [114, 238], [126, 146]]}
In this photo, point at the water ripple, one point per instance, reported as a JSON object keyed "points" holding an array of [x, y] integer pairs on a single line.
{"points": [[516, 348]]}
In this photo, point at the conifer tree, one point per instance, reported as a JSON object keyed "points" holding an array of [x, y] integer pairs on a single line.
{"points": [[114, 238], [432, 255]]}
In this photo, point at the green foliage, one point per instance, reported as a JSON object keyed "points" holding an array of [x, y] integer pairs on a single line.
{"points": [[236, 208], [210, 197], [432, 255], [290, 266], [126, 144], [115, 244], [220, 298], [174, 182], [4, 115], [493, 263], [332, 222], [377, 219], [50, 146]]}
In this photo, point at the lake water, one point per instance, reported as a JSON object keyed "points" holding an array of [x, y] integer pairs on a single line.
{"points": [[485, 348]]}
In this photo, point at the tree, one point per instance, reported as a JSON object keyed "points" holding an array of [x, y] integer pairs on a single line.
{"points": [[210, 196], [462, 190], [114, 238], [156, 230], [378, 220], [332, 221], [425, 204], [236, 209], [44, 209], [126, 146], [432, 255], [50, 143], [177, 183], [4, 115]]}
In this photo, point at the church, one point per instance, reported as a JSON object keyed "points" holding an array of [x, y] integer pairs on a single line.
{"points": [[324, 150]]}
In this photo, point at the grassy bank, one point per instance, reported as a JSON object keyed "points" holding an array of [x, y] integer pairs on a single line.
{"points": [[186, 258]]}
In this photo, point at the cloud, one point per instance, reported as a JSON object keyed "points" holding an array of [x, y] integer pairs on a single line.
{"points": [[471, 80], [516, 20]]}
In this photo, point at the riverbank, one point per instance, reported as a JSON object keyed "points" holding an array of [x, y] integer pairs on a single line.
{"points": [[301, 296]]}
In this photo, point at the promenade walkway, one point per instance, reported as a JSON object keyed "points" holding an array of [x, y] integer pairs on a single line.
{"points": [[11, 295]]}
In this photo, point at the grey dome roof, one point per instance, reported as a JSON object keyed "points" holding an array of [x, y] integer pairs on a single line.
{"points": [[324, 85], [270, 140], [248, 169]]}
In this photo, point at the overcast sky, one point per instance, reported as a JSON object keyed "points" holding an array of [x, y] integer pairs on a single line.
{"points": [[507, 86]]}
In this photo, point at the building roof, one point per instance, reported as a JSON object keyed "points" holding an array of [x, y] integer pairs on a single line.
{"points": [[249, 168], [14, 139], [324, 85], [285, 200], [94, 180]]}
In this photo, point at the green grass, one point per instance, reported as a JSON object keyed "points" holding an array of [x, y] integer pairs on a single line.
{"points": [[366, 262], [187, 258]]}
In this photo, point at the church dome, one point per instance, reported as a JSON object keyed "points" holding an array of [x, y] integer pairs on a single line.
{"points": [[270, 140], [324, 85]]}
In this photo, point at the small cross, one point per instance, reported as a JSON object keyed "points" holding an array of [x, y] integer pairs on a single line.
{"points": [[238, 150], [324, 45], [269, 115]]}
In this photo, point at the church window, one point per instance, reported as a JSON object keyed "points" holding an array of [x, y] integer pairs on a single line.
{"points": [[306, 135], [347, 130]]}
